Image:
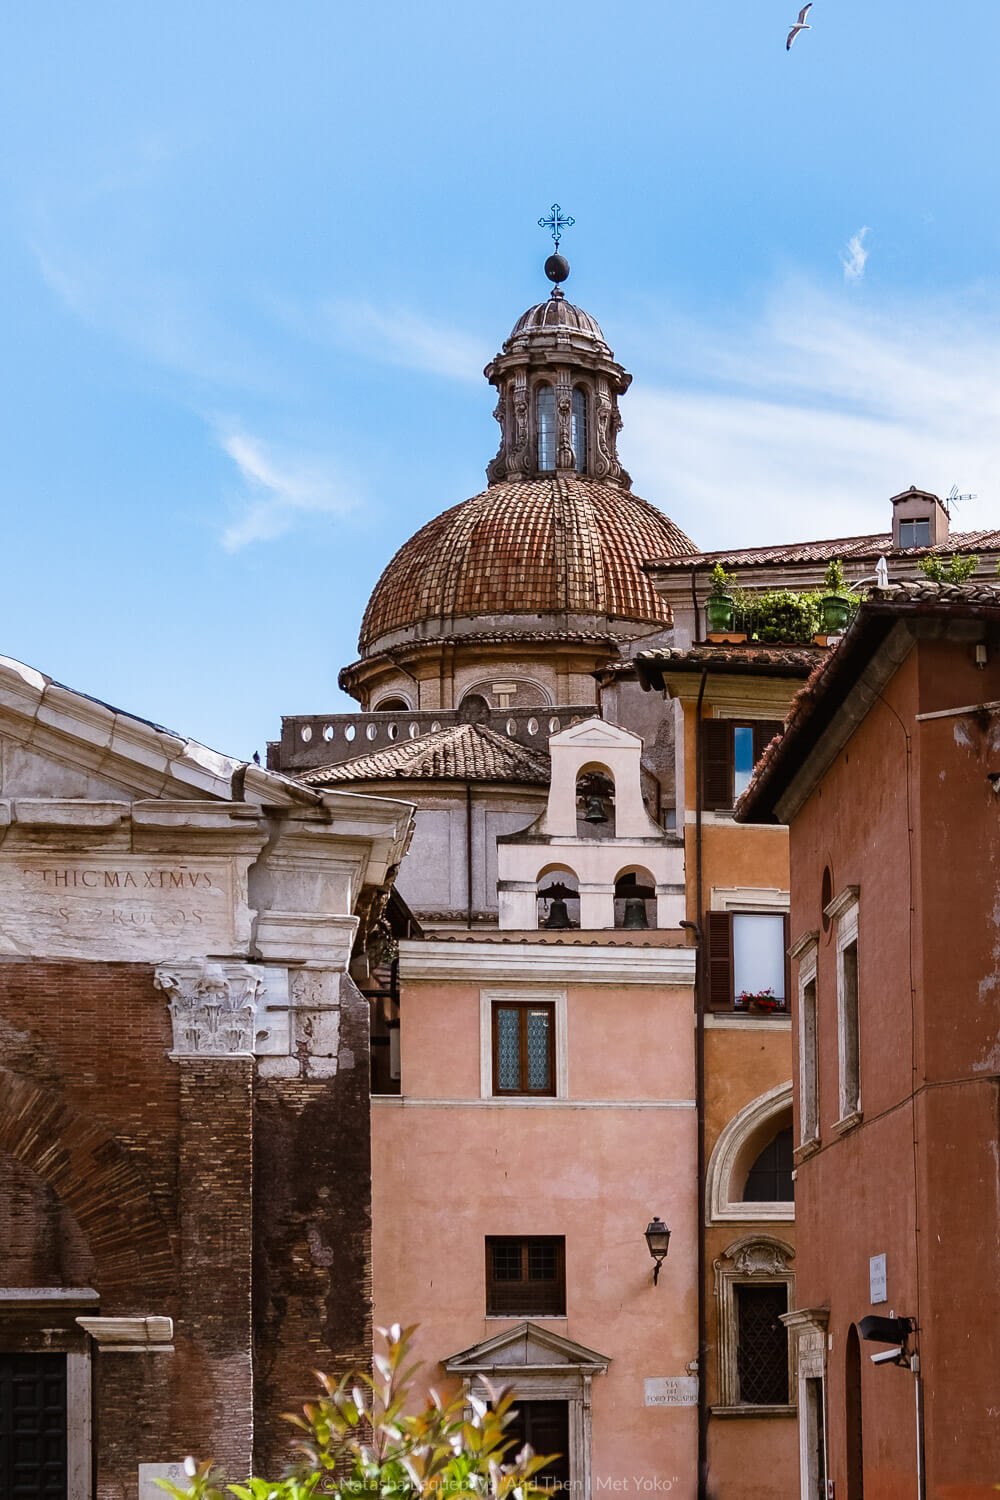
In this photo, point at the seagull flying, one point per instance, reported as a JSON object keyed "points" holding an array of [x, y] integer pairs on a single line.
{"points": [[800, 25]]}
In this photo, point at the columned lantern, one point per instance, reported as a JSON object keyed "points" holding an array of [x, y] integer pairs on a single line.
{"points": [[558, 385]]}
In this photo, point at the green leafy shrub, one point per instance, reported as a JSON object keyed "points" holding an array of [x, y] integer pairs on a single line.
{"points": [[954, 569], [720, 580], [834, 579], [358, 1442]]}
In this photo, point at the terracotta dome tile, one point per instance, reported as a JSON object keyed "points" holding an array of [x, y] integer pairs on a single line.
{"points": [[558, 545]]}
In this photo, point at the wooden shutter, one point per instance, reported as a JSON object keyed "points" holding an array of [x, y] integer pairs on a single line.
{"points": [[721, 990], [717, 755], [763, 733]]}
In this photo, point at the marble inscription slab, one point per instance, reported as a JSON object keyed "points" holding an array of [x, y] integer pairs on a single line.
{"points": [[150, 1473], [117, 906], [672, 1390]]}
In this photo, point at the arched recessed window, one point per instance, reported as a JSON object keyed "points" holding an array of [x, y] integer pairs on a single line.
{"points": [[769, 1180], [545, 423], [579, 435]]}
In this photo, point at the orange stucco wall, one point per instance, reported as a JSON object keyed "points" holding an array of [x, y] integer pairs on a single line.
{"points": [[450, 1169]]}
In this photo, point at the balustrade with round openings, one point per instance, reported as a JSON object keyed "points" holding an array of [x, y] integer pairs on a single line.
{"points": [[328, 732], [558, 899], [371, 731], [414, 730], [393, 731], [532, 726], [554, 725], [349, 732], [635, 899], [512, 727], [306, 733]]}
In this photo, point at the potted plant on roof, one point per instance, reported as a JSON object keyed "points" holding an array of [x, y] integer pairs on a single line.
{"points": [[835, 605], [719, 604]]}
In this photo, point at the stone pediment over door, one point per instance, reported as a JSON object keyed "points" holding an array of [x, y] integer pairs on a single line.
{"points": [[539, 1366], [523, 1350]]}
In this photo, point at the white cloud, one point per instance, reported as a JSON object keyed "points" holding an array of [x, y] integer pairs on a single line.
{"points": [[280, 491], [805, 421], [399, 337], [855, 260]]}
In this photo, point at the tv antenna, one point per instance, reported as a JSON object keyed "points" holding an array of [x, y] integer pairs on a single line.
{"points": [[954, 498]]}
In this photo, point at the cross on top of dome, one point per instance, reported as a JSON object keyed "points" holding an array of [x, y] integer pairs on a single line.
{"points": [[557, 266]]}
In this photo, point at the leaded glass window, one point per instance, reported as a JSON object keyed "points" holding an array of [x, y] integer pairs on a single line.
{"points": [[579, 433], [545, 423], [523, 1048]]}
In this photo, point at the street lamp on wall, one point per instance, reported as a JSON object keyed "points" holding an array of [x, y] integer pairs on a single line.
{"points": [[658, 1240]]}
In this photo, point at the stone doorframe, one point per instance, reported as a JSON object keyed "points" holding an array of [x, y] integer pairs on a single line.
{"points": [[540, 1366], [807, 1329]]}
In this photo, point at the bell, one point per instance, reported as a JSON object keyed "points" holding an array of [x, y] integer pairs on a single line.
{"points": [[558, 915], [595, 811], [635, 912]]}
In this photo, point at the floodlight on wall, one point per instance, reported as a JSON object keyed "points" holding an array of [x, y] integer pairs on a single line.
{"points": [[895, 1331], [658, 1241]]}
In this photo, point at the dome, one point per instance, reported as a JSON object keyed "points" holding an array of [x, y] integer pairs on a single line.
{"points": [[556, 312], [561, 544]]}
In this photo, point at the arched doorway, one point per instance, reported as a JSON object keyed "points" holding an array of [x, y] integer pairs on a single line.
{"points": [[854, 1441]]}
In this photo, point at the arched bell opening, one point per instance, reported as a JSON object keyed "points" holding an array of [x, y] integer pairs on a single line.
{"points": [[595, 803], [635, 900], [558, 899]]}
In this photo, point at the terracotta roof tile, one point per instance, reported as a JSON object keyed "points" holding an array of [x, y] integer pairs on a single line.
{"points": [[876, 545], [559, 545], [462, 752], [751, 659]]}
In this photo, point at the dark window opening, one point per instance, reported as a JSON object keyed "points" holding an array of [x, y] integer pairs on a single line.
{"points": [[545, 1426], [915, 533], [526, 1277], [762, 1349], [770, 1178], [524, 1059], [383, 1002]]}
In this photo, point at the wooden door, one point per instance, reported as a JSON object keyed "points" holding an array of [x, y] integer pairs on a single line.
{"points": [[545, 1425], [33, 1426]]}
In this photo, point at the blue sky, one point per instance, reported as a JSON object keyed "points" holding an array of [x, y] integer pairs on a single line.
{"points": [[254, 256]]}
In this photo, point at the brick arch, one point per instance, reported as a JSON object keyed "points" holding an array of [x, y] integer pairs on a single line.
{"points": [[98, 1182]]}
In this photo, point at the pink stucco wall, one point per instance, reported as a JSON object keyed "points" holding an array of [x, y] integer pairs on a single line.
{"points": [[450, 1169]]}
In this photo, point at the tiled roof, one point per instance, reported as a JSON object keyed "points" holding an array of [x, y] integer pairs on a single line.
{"points": [[564, 544], [874, 546], [751, 659], [817, 699], [462, 752]]}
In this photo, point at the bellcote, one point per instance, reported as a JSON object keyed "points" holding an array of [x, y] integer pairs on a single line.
{"points": [[558, 385]]}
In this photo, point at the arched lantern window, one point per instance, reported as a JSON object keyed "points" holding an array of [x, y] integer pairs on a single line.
{"points": [[579, 433], [545, 424]]}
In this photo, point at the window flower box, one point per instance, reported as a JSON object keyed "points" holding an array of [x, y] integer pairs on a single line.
{"points": [[764, 1002]]}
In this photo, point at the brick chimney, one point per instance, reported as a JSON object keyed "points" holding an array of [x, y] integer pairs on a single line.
{"points": [[919, 519]]}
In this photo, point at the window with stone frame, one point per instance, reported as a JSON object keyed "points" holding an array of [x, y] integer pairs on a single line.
{"points": [[526, 1276], [754, 1289], [730, 750], [844, 910], [524, 1061]]}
